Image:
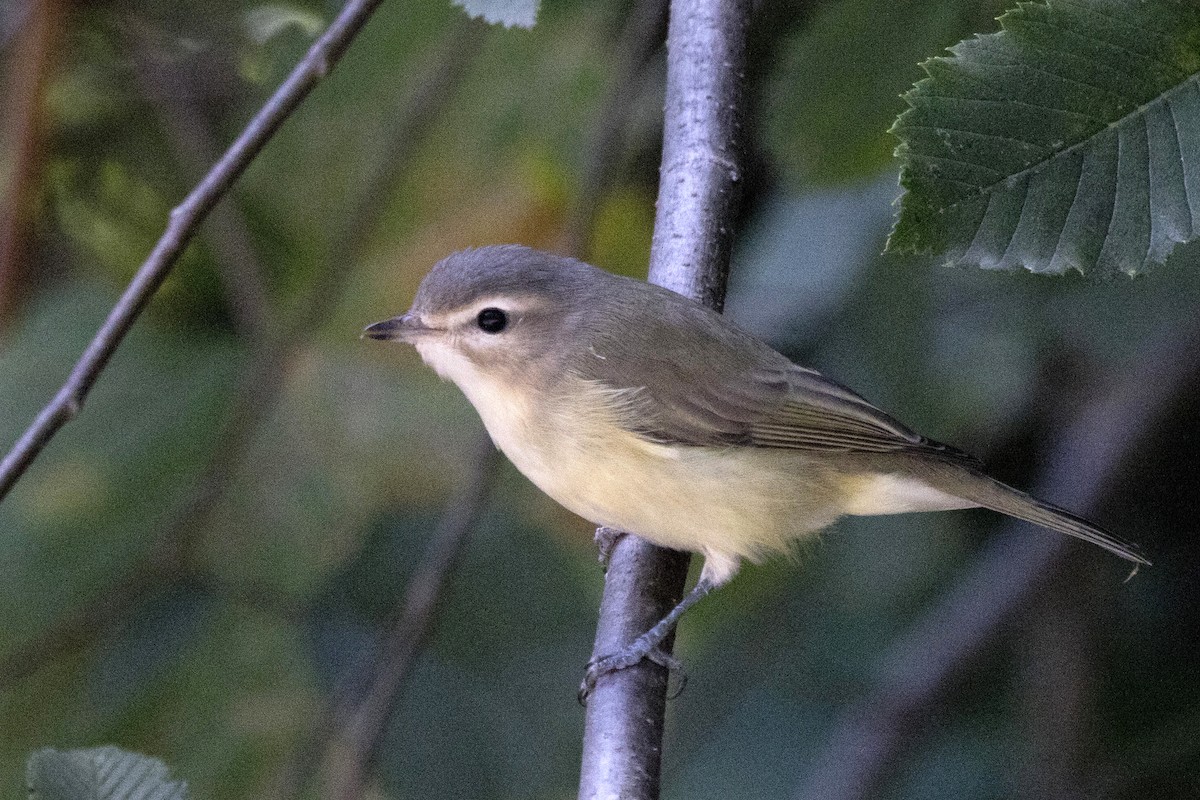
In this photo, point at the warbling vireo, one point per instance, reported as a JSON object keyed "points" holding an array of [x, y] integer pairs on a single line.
{"points": [[643, 411]]}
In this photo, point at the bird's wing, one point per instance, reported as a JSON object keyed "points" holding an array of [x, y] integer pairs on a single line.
{"points": [[819, 414], [780, 406], [722, 386]]}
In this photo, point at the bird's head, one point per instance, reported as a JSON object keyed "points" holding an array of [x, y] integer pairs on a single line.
{"points": [[499, 311]]}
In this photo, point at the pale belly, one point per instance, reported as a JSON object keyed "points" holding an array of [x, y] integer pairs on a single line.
{"points": [[727, 503]]}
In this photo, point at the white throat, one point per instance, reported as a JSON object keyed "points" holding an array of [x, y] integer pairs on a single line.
{"points": [[507, 413]]}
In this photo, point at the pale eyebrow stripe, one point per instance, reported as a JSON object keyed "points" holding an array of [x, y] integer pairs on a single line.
{"points": [[514, 304]]}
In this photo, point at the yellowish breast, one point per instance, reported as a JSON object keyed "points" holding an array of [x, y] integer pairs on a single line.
{"points": [[728, 503]]}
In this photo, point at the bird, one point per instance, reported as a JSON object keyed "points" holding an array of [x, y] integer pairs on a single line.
{"points": [[644, 411]]}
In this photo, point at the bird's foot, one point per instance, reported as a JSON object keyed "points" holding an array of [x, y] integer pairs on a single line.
{"points": [[642, 648]]}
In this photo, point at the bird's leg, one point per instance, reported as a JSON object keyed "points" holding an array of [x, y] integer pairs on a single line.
{"points": [[646, 645], [606, 540]]}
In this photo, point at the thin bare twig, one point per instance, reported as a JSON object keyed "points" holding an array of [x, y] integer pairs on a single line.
{"points": [[350, 730], [259, 386], [698, 191], [363, 726], [164, 564], [181, 227], [263, 379], [445, 71], [869, 740]]}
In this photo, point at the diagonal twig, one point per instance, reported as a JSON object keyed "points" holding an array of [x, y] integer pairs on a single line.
{"points": [[181, 228], [259, 385], [262, 380], [361, 727], [446, 69]]}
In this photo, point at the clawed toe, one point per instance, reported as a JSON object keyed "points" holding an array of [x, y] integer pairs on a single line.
{"points": [[665, 659], [627, 658], [648, 645]]}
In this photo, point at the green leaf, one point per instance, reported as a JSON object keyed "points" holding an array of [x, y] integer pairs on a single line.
{"points": [[99, 773], [509, 13], [1069, 140]]}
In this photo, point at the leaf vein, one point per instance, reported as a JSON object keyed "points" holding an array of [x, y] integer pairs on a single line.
{"points": [[979, 228], [958, 162], [979, 134], [1070, 33], [1012, 236], [1117, 21], [1183, 169], [1151, 227], [1050, 74], [1062, 231], [1116, 198], [1189, 83], [1009, 103]]}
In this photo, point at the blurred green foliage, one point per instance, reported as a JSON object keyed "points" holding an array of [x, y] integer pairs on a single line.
{"points": [[222, 666], [836, 87]]}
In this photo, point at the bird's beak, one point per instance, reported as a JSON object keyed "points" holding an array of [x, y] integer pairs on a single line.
{"points": [[403, 328]]}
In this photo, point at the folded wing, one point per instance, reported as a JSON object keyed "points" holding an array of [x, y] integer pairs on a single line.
{"points": [[781, 405]]}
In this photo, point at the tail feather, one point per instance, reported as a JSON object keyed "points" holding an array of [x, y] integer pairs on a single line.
{"points": [[993, 494]]}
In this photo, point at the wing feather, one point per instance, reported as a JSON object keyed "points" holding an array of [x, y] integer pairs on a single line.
{"points": [[790, 408], [726, 388]]}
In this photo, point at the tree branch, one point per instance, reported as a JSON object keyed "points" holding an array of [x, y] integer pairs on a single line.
{"points": [[363, 725], [445, 71], [34, 55], [869, 740], [181, 227], [698, 185], [260, 383]]}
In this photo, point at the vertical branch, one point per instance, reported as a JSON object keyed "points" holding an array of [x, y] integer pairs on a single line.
{"points": [[34, 51], [623, 729], [350, 735], [700, 173]]}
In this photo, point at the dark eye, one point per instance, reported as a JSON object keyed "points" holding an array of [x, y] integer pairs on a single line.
{"points": [[492, 320]]}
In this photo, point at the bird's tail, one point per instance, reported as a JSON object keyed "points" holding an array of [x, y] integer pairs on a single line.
{"points": [[991, 493]]}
